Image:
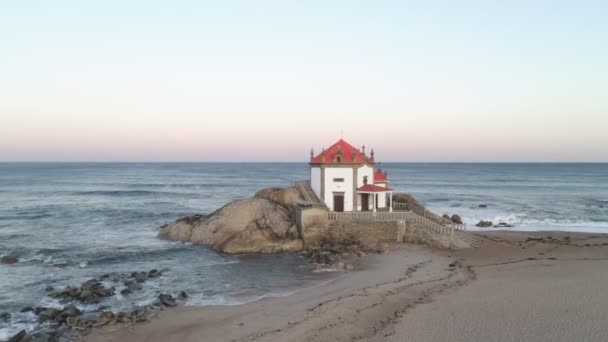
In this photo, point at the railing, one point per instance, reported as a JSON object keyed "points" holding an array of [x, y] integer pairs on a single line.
{"points": [[408, 216], [422, 211]]}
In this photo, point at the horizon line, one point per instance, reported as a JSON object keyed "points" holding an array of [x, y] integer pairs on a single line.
{"points": [[285, 162]]}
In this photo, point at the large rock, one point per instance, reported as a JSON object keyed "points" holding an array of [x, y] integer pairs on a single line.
{"points": [[9, 259], [456, 219], [406, 198], [484, 224], [263, 224]]}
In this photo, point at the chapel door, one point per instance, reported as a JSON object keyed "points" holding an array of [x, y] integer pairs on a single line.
{"points": [[364, 202], [339, 202]]}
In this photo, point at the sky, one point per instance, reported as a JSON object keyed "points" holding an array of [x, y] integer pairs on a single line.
{"points": [[418, 81]]}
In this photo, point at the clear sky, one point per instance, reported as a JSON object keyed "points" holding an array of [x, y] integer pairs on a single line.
{"points": [[267, 80]]}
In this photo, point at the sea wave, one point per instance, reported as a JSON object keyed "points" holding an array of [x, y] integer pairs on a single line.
{"points": [[120, 193]]}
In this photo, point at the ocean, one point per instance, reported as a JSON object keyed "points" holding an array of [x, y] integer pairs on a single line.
{"points": [[103, 218]]}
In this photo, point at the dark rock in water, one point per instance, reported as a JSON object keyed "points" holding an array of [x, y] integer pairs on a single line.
{"points": [[70, 311], [132, 285], [49, 314], [154, 273], [88, 297], [9, 259], [104, 277], [503, 225], [21, 336], [483, 205], [456, 219], [167, 300], [5, 316], [125, 292], [182, 295], [140, 277], [484, 224], [27, 309], [49, 289]]}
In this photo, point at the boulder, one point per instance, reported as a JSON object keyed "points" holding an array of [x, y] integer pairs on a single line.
{"points": [[104, 318], [154, 273], [447, 217], [456, 219], [167, 300], [21, 336], [503, 225], [406, 198], [9, 259], [484, 224], [263, 224], [483, 205], [285, 197]]}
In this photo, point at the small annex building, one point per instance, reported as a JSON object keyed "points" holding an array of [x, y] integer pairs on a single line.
{"points": [[346, 179]]}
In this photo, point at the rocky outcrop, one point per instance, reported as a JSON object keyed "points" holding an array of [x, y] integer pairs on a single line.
{"points": [[8, 259], [407, 199], [262, 224], [456, 219], [484, 224]]}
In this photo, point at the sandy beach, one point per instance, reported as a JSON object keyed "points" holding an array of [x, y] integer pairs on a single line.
{"points": [[515, 286]]}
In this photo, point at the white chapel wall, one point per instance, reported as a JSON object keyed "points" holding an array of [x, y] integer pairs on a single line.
{"points": [[332, 186], [315, 180]]}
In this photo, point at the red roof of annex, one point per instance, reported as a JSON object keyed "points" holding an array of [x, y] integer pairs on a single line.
{"points": [[373, 188], [380, 177]]}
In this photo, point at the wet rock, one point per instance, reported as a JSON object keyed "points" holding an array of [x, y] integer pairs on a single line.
{"points": [[447, 217], [125, 292], [154, 273], [104, 277], [167, 300], [9, 259], [104, 318], [5, 316], [483, 205], [49, 314], [456, 219], [503, 225], [88, 297], [121, 317], [60, 264], [182, 295], [139, 277], [69, 311], [21, 336], [484, 224], [27, 309], [133, 285]]}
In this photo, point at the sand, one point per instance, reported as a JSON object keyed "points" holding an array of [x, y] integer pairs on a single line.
{"points": [[510, 288]]}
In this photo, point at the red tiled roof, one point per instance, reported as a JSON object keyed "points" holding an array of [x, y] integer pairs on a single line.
{"points": [[373, 188], [344, 152], [379, 177]]}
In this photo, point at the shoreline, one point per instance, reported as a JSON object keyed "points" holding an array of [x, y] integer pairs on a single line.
{"points": [[392, 294]]}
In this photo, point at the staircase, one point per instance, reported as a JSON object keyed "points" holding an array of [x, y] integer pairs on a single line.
{"points": [[471, 238], [307, 193]]}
